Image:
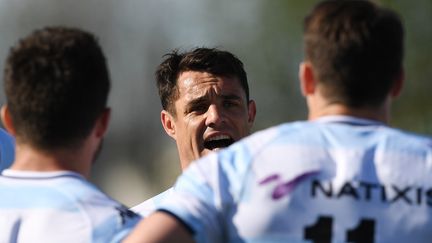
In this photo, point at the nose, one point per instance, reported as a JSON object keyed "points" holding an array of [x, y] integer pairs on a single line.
{"points": [[215, 116]]}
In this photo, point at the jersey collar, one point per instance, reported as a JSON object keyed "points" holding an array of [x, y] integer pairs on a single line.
{"points": [[20, 174], [351, 120]]}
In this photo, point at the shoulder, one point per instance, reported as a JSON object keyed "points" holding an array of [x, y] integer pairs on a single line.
{"points": [[398, 135], [230, 166], [71, 198], [283, 132], [272, 141], [396, 142], [107, 217], [90, 197], [245, 150]]}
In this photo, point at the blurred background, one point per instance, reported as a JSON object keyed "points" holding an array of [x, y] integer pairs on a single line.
{"points": [[139, 160]]}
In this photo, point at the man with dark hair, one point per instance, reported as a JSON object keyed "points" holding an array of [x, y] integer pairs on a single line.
{"points": [[342, 176], [57, 84], [205, 99], [206, 105]]}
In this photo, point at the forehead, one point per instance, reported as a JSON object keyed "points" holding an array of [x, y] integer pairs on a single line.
{"points": [[193, 84]]}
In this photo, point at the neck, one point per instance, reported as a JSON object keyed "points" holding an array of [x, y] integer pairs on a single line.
{"points": [[320, 107], [29, 158]]}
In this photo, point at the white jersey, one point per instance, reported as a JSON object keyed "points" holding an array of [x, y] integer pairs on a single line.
{"points": [[336, 179], [7, 149], [53, 207], [149, 206]]}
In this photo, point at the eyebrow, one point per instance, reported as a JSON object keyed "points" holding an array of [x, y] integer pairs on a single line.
{"points": [[231, 97], [195, 102], [204, 99]]}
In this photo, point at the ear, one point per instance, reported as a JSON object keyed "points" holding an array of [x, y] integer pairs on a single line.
{"points": [[251, 112], [102, 123], [307, 78], [398, 84], [168, 123], [7, 120]]}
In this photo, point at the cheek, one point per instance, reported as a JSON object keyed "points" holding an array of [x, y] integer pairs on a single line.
{"points": [[240, 117], [194, 126], [241, 122]]}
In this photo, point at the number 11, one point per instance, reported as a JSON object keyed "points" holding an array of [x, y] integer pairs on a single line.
{"points": [[321, 231]]}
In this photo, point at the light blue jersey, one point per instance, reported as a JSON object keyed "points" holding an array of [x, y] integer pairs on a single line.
{"points": [[336, 179], [58, 207], [149, 206], [7, 150]]}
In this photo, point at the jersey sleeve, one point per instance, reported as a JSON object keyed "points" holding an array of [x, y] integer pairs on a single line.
{"points": [[205, 191], [125, 221], [147, 207], [107, 219]]}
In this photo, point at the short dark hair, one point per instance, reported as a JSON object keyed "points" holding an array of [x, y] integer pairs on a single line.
{"points": [[356, 49], [57, 84], [211, 60]]}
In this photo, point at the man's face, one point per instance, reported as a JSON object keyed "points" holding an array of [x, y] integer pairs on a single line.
{"points": [[211, 113]]}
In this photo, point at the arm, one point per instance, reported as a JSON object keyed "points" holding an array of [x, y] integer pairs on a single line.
{"points": [[160, 227]]}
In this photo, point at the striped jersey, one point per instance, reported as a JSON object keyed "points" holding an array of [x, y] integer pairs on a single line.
{"points": [[7, 149], [149, 206], [58, 207], [335, 179]]}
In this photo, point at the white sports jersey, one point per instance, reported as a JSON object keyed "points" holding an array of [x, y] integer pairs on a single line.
{"points": [[58, 207], [7, 149], [149, 206], [336, 179]]}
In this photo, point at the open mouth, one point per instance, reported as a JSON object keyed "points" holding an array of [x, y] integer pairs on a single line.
{"points": [[221, 141]]}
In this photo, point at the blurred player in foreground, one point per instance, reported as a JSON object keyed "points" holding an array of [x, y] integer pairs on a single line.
{"points": [[206, 106], [342, 176], [7, 149], [57, 83]]}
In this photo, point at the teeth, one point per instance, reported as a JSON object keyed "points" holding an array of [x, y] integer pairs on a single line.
{"points": [[219, 137]]}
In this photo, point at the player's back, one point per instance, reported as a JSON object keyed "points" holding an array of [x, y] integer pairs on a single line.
{"points": [[342, 181], [58, 207], [338, 179]]}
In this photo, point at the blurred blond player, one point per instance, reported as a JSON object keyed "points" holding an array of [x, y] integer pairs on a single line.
{"points": [[206, 105], [57, 84], [342, 176]]}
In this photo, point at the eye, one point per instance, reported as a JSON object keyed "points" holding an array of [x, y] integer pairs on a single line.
{"points": [[197, 108], [229, 103], [200, 107]]}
